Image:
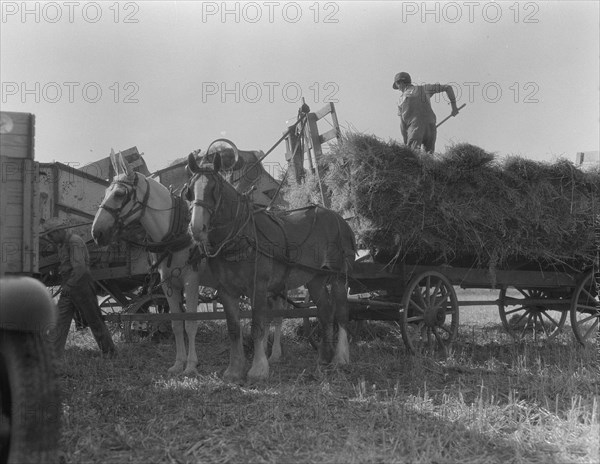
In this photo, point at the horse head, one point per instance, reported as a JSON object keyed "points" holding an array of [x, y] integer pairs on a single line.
{"points": [[204, 192], [120, 205], [207, 186]]}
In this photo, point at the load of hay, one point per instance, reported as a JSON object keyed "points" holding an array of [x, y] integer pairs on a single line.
{"points": [[465, 206]]}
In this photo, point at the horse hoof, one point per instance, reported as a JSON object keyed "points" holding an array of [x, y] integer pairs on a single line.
{"points": [[231, 376], [341, 359], [274, 358], [177, 368], [325, 356], [258, 374], [191, 372], [257, 379]]}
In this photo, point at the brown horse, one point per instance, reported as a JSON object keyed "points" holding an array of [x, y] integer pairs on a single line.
{"points": [[258, 253]]}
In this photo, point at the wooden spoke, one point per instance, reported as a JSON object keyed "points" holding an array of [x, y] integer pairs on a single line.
{"points": [[151, 303], [430, 319], [585, 311], [525, 321], [109, 304], [550, 317]]}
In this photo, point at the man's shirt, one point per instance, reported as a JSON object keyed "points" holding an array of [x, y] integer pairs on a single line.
{"points": [[414, 105], [74, 260]]}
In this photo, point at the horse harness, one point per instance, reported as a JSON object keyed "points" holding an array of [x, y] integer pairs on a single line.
{"points": [[141, 205], [231, 248], [228, 248], [176, 238]]}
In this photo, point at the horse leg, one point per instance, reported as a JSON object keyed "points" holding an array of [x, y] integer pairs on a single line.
{"points": [[175, 301], [340, 302], [260, 336], [319, 294], [276, 348], [231, 306], [276, 302], [191, 327]]}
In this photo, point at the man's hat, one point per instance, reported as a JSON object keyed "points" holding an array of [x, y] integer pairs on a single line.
{"points": [[401, 77], [53, 224]]}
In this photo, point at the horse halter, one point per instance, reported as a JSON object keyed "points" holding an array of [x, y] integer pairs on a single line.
{"points": [[240, 220], [129, 187], [212, 208]]}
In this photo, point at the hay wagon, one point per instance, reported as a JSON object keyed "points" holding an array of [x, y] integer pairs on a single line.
{"points": [[535, 300], [533, 304]]}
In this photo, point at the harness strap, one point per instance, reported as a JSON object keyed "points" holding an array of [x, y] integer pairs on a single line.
{"points": [[248, 216], [286, 247], [286, 259], [204, 204], [194, 258], [176, 238], [137, 206]]}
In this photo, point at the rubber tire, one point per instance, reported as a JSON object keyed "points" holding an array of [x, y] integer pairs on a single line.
{"points": [[29, 399]]}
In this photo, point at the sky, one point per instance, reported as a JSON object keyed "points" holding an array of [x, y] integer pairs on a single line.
{"points": [[170, 77]]}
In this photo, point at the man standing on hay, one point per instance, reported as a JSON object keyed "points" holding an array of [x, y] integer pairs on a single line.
{"points": [[417, 119], [78, 292]]}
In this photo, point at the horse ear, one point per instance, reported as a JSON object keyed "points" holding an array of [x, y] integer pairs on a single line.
{"points": [[127, 169], [113, 160], [192, 164], [217, 162]]}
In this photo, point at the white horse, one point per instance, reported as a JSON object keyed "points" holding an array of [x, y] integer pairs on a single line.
{"points": [[134, 197]]}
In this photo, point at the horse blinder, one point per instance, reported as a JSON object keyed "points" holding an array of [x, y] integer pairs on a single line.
{"points": [[129, 196], [187, 193]]}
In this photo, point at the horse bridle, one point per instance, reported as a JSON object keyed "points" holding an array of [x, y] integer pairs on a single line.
{"points": [[212, 208], [138, 206]]}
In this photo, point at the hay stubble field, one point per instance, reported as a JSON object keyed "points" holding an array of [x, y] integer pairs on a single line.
{"points": [[489, 400]]}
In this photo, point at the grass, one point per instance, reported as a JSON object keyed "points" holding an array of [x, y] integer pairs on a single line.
{"points": [[490, 400]]}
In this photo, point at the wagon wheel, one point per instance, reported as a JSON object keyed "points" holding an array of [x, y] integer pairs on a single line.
{"points": [[109, 305], [525, 321], [430, 317], [152, 303], [585, 310]]}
